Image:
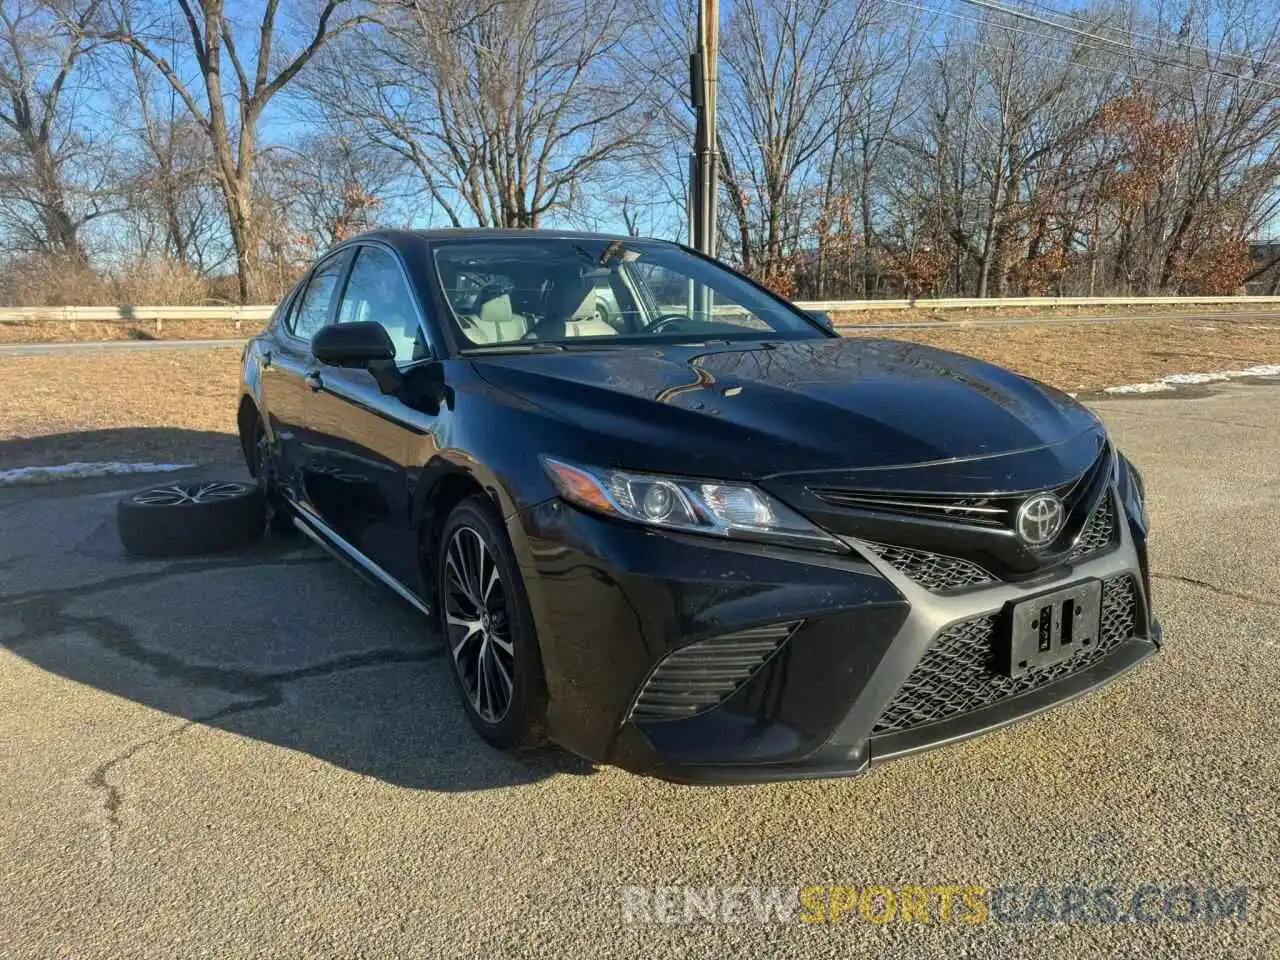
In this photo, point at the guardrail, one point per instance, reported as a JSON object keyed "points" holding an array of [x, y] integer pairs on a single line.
{"points": [[258, 315], [1005, 303]]}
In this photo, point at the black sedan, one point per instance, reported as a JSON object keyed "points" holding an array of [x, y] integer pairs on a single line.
{"points": [[669, 521]]}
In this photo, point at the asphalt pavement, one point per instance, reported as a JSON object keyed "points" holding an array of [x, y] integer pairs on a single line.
{"points": [[261, 755]]}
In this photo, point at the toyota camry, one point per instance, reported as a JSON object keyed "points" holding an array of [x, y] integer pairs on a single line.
{"points": [[669, 521]]}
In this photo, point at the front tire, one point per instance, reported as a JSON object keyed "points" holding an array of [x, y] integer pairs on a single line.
{"points": [[488, 628]]}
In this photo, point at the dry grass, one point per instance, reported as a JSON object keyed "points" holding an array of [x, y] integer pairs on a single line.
{"points": [[1086, 357], [61, 331], [174, 406], [179, 405], [1049, 313]]}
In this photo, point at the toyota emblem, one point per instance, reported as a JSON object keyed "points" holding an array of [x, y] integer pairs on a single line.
{"points": [[1040, 519]]}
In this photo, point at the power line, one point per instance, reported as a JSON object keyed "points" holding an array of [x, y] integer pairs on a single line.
{"points": [[1048, 38], [977, 21], [1153, 38], [1108, 41], [1077, 65], [1161, 61]]}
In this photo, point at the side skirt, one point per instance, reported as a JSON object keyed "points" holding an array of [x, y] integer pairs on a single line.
{"points": [[328, 538]]}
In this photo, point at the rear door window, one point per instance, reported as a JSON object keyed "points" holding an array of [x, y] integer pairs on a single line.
{"points": [[312, 311]]}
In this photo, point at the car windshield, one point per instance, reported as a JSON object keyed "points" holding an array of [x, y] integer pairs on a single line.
{"points": [[509, 292]]}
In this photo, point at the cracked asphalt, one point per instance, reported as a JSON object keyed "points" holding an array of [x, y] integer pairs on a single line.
{"points": [[260, 755]]}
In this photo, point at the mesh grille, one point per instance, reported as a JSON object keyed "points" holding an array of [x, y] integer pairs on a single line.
{"points": [[698, 677], [933, 571], [955, 675], [1099, 531]]}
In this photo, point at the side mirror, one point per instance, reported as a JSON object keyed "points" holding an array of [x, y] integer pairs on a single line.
{"points": [[353, 345], [822, 319]]}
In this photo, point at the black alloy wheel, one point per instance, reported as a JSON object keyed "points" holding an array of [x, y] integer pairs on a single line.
{"points": [[183, 519], [487, 627]]}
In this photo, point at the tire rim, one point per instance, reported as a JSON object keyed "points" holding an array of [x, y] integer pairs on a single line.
{"points": [[478, 626], [183, 493]]}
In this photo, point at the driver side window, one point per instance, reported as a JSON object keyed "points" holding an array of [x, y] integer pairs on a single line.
{"points": [[377, 292]]}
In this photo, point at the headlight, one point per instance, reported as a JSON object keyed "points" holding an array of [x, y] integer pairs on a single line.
{"points": [[733, 510]]}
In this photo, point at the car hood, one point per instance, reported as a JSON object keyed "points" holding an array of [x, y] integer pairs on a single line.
{"points": [[761, 409]]}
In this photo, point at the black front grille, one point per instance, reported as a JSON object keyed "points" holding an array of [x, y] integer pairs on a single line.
{"points": [[998, 510], [955, 675], [1099, 532], [701, 675], [933, 571], [991, 511]]}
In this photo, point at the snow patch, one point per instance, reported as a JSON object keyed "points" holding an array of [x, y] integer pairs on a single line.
{"points": [[76, 471], [1179, 379], [1140, 388]]}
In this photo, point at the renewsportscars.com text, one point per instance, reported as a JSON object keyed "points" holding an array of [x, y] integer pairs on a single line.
{"points": [[1025, 903]]}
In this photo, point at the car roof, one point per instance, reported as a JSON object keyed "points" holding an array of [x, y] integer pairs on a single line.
{"points": [[409, 238]]}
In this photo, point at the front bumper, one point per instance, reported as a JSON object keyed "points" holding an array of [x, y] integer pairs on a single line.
{"points": [[611, 601]]}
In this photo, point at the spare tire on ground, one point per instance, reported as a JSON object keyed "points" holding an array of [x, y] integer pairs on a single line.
{"points": [[199, 516]]}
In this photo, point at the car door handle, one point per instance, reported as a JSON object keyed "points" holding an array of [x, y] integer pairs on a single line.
{"points": [[314, 380]]}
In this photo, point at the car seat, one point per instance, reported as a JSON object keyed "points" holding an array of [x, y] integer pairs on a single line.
{"points": [[491, 318], [572, 311]]}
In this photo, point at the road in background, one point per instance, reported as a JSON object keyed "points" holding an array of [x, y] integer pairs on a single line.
{"points": [[259, 754]]}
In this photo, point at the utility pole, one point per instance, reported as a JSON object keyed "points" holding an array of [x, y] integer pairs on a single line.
{"points": [[705, 160]]}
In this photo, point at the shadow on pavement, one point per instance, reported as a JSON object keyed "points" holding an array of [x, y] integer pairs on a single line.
{"points": [[125, 444], [277, 643]]}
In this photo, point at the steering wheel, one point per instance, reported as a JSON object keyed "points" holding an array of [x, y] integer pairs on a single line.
{"points": [[665, 320], [532, 332]]}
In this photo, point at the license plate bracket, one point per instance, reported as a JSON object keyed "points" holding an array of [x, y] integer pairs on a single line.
{"points": [[1045, 630]]}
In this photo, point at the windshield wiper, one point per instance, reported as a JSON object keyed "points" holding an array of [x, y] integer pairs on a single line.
{"points": [[536, 346]]}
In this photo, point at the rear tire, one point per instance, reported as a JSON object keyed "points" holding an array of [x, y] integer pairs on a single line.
{"points": [[184, 519], [488, 628], [262, 467]]}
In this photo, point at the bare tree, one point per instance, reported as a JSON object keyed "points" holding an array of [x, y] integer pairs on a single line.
{"points": [[867, 147], [259, 74], [505, 112], [1051, 161], [41, 45], [786, 70], [1226, 118], [880, 96], [172, 192], [328, 187]]}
